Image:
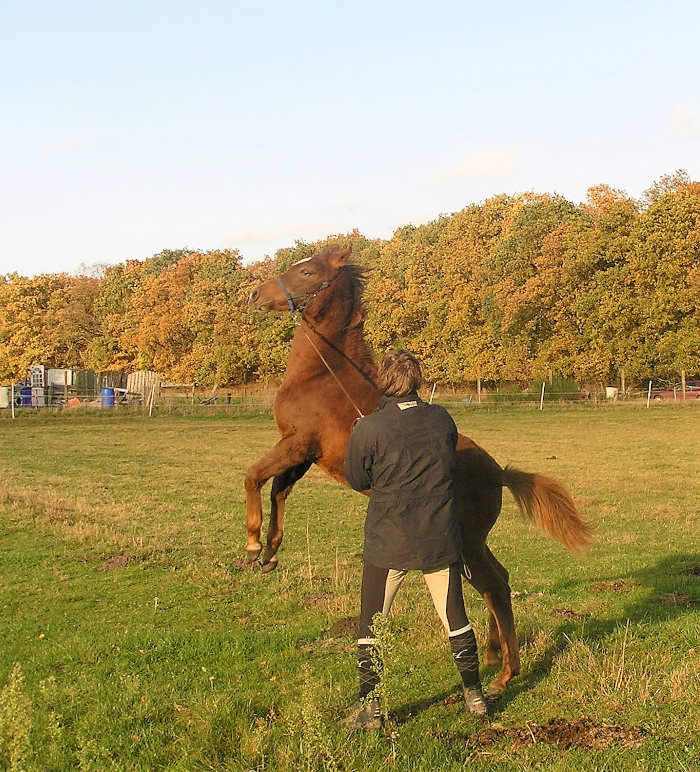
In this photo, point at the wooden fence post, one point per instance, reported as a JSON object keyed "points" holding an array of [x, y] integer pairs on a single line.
{"points": [[683, 382]]}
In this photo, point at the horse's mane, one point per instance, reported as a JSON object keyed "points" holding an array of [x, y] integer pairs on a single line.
{"points": [[356, 278]]}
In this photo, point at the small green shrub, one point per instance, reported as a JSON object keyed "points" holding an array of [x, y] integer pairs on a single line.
{"points": [[15, 721]]}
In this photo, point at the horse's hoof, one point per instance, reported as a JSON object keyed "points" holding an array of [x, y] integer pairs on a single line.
{"points": [[267, 555], [271, 565], [495, 691], [253, 553]]}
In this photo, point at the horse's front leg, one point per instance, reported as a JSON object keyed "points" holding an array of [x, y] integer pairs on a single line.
{"points": [[289, 452], [281, 488]]}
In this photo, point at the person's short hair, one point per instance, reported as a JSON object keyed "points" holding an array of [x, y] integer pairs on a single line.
{"points": [[399, 373]]}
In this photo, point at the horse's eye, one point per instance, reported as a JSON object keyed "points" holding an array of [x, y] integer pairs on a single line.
{"points": [[304, 272]]}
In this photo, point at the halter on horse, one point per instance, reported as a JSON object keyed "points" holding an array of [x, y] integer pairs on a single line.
{"points": [[307, 296]]}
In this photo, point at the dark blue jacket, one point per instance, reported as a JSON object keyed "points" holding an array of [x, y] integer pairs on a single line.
{"points": [[404, 453]]}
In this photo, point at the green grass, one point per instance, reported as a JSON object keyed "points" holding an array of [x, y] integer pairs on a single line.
{"points": [[143, 642]]}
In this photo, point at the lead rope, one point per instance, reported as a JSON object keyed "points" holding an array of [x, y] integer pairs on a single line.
{"points": [[360, 414], [295, 317]]}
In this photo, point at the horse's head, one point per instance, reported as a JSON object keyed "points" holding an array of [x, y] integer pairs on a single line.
{"points": [[300, 283]]}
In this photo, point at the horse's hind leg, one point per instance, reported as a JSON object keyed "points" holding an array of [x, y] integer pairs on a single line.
{"points": [[489, 578], [493, 647], [289, 452], [282, 486]]}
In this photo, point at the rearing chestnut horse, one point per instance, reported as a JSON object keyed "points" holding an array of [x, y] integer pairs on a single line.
{"points": [[315, 412]]}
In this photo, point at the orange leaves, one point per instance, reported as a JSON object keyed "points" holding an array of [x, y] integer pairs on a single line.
{"points": [[501, 290]]}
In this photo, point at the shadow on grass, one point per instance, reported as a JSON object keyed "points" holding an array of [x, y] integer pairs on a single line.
{"points": [[671, 588]]}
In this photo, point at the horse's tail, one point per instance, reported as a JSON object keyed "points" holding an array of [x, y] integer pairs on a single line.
{"points": [[548, 505]]}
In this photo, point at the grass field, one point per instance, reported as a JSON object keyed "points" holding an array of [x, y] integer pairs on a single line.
{"points": [[133, 637]]}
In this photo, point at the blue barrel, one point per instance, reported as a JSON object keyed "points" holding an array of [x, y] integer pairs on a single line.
{"points": [[26, 395], [107, 397]]}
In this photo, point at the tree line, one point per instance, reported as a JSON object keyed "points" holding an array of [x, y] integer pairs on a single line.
{"points": [[515, 288]]}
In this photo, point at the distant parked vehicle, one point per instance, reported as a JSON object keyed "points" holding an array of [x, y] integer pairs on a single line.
{"points": [[692, 391]]}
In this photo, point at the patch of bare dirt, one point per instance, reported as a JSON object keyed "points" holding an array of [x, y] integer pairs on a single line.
{"points": [[619, 585], [453, 699], [316, 599], [347, 626], [582, 733], [118, 561], [567, 613], [88, 557], [692, 571], [674, 599]]}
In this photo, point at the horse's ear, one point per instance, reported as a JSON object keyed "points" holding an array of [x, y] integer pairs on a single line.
{"points": [[339, 257]]}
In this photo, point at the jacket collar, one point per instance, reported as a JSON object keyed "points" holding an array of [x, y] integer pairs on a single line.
{"points": [[388, 401]]}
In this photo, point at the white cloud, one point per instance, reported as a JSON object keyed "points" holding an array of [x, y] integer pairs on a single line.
{"points": [[263, 238], [65, 145], [347, 204], [484, 164], [685, 121], [282, 231]]}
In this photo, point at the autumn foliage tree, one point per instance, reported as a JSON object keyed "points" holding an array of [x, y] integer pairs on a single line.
{"points": [[48, 318], [512, 289]]}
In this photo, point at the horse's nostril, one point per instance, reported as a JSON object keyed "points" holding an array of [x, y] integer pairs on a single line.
{"points": [[254, 296]]}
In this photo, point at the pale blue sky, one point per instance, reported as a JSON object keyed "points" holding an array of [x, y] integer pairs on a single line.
{"points": [[130, 127]]}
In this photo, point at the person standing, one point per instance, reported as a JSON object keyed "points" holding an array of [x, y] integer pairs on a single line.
{"points": [[404, 453]]}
